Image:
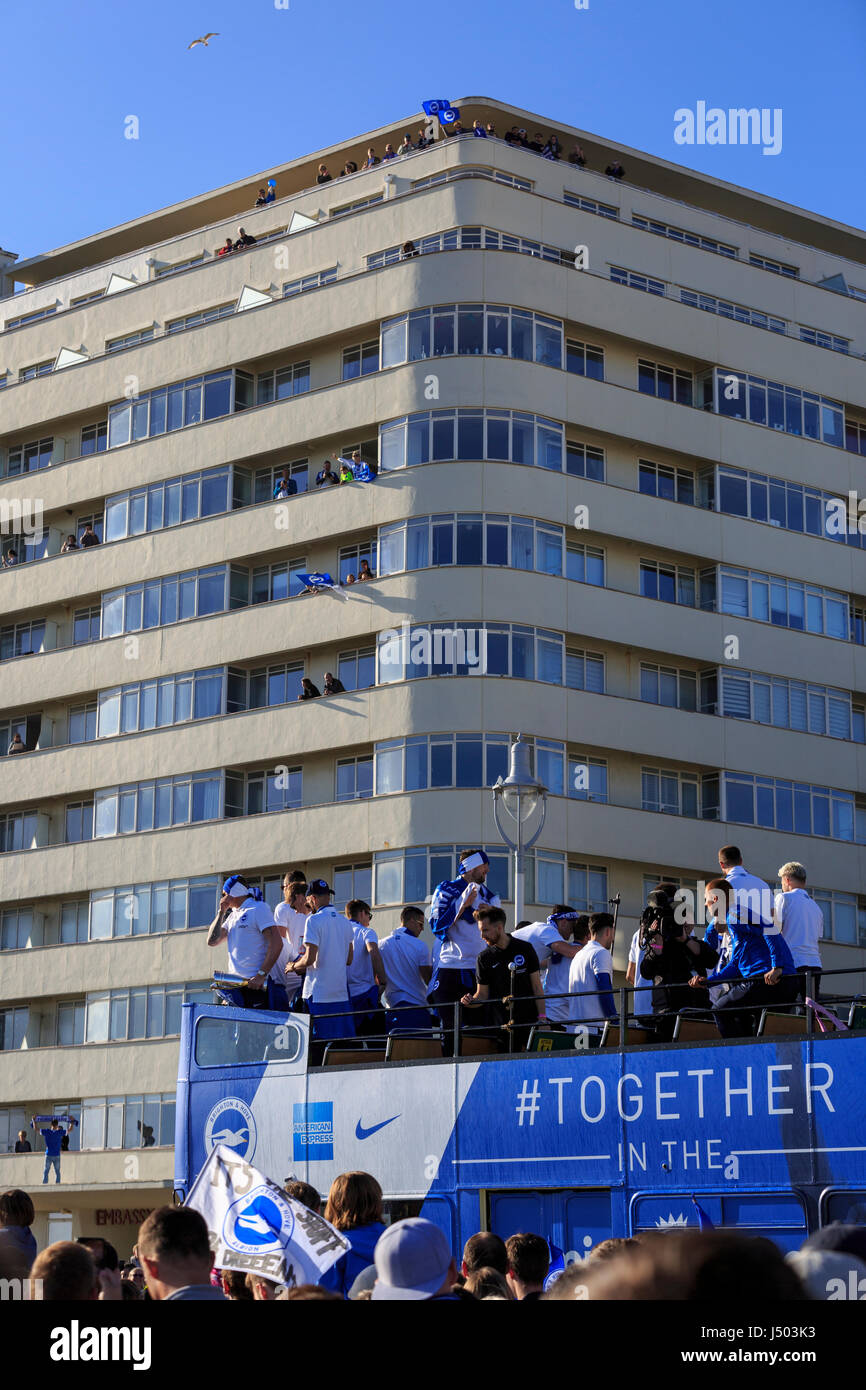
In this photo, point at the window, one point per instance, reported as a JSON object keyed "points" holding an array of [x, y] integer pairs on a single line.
{"points": [[584, 461], [705, 243], [357, 669], [590, 205], [411, 875], [781, 407], [86, 626], [282, 383], [272, 685], [155, 805], [70, 1023], [86, 298], [127, 340], [790, 704], [33, 317], [128, 1122], [220, 311], [94, 439], [669, 583], [784, 602], [668, 383], [442, 760], [158, 703], [361, 360], [172, 599], [662, 480], [352, 555], [636, 281], [22, 639], [352, 881], [665, 685], [310, 282], [584, 360], [175, 501], [280, 790], [471, 330], [711, 305], [430, 436], [271, 583], [463, 171], [585, 563], [82, 723], [673, 793], [29, 458], [16, 724], [357, 206], [844, 916], [552, 878], [584, 670], [12, 1119], [855, 437], [265, 480], [354, 778], [183, 403], [178, 266], [139, 909], [471, 239], [777, 267], [17, 931], [13, 1027], [799, 807], [36, 369], [792, 506], [79, 821]]}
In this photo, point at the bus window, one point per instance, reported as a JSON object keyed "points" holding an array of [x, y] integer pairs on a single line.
{"points": [[780, 1217], [573, 1220], [847, 1207], [233, 1042]]}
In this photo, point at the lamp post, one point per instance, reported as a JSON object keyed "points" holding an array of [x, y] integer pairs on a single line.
{"points": [[519, 795]]}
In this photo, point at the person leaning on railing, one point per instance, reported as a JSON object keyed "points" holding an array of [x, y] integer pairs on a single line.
{"points": [[762, 957]]}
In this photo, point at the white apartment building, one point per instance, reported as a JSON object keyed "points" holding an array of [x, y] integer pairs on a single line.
{"points": [[608, 418]]}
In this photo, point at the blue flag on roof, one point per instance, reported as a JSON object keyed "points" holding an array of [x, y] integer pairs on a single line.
{"points": [[443, 109]]}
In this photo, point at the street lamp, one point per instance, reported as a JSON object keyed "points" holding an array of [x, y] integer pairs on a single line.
{"points": [[520, 795]]}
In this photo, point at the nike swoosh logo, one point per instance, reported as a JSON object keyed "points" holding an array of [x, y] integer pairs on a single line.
{"points": [[361, 1133]]}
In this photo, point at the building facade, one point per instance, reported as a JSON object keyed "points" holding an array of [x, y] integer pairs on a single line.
{"points": [[611, 420]]}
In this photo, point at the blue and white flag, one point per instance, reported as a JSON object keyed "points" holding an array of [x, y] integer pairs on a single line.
{"points": [[447, 113], [318, 580], [255, 1227], [557, 1265]]}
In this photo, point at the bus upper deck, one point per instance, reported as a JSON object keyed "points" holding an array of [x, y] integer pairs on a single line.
{"points": [[769, 1133]]}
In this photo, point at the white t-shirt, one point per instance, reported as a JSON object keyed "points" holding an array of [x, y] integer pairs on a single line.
{"points": [[802, 925], [247, 947], [590, 962], [750, 892], [331, 932], [556, 982], [291, 924], [643, 994], [403, 956], [540, 936], [360, 973]]}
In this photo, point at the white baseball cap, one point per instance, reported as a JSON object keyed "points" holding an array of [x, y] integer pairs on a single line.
{"points": [[412, 1259]]}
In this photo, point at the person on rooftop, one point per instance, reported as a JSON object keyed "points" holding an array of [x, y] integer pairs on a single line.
{"points": [[372, 159], [406, 145], [228, 248], [262, 199], [323, 176], [390, 152], [244, 239], [615, 170]]}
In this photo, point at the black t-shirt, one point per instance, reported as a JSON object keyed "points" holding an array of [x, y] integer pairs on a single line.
{"points": [[492, 970]]}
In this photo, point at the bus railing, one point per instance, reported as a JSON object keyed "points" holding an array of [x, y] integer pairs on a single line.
{"points": [[449, 1023]]}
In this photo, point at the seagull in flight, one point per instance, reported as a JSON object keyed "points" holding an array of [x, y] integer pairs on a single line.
{"points": [[203, 39]]}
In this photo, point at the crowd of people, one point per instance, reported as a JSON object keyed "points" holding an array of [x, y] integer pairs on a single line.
{"points": [[548, 146], [413, 1260], [759, 952]]}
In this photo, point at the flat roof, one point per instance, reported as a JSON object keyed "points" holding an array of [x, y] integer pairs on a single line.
{"points": [[642, 170]]}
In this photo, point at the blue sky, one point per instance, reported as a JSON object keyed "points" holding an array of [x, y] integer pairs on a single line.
{"points": [[280, 83]]}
